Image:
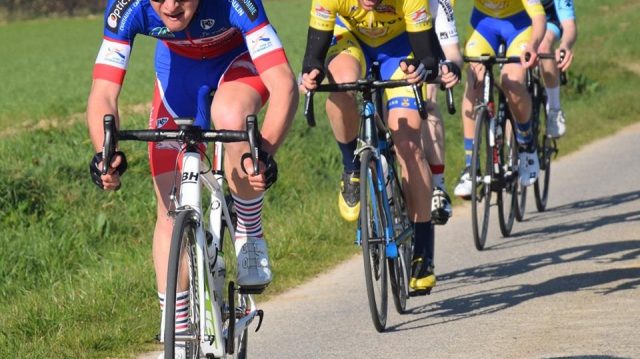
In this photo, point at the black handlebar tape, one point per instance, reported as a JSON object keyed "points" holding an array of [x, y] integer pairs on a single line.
{"points": [[308, 109], [252, 132], [110, 140], [451, 106], [417, 93]]}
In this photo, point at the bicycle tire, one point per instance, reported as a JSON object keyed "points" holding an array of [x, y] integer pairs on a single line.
{"points": [[507, 196], [183, 245], [546, 149], [481, 178], [372, 240], [521, 202], [399, 266]]}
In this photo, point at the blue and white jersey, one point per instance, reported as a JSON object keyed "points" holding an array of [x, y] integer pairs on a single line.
{"points": [[563, 9], [218, 27]]}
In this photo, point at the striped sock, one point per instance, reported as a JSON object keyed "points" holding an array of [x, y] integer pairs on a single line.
{"points": [[437, 175], [468, 151], [182, 310], [249, 212], [523, 133]]}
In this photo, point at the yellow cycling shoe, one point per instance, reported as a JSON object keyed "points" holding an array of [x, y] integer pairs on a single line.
{"points": [[349, 196], [422, 277]]}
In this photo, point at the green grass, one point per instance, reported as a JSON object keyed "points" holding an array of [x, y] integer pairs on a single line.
{"points": [[76, 278]]}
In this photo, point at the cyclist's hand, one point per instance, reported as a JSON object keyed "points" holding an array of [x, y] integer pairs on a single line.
{"points": [[564, 61], [111, 180], [449, 74], [308, 81], [267, 171], [529, 56], [414, 70]]}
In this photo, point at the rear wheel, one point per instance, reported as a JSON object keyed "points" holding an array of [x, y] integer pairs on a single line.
{"points": [[481, 178], [372, 229], [182, 264], [399, 266], [507, 197]]}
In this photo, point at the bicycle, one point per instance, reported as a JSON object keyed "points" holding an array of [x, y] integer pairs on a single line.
{"points": [[547, 146], [384, 230], [494, 160], [218, 325]]}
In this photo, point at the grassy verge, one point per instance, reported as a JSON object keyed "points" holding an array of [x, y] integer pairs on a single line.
{"points": [[76, 276]]}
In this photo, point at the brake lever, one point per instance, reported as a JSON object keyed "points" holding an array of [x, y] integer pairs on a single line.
{"points": [[110, 142]]}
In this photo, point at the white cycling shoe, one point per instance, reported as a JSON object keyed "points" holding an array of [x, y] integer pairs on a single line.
{"points": [[254, 269], [555, 124], [529, 167], [441, 209], [463, 188]]}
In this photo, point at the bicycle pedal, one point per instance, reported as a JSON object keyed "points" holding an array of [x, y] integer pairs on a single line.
{"points": [[251, 290]]}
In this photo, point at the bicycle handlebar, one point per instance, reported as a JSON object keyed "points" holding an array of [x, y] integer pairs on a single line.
{"points": [[364, 85], [186, 133]]}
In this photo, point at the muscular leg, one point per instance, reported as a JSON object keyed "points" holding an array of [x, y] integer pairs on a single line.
{"points": [[342, 109]]}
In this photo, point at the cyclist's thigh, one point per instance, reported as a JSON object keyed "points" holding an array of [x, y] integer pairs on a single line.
{"points": [[178, 80], [516, 33], [345, 59], [240, 92]]}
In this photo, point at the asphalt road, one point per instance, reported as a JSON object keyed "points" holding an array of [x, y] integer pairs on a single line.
{"points": [[564, 285]]}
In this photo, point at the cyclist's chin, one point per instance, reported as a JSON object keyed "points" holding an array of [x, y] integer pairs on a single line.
{"points": [[368, 5]]}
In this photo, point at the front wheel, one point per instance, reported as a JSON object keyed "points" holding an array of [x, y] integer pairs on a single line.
{"points": [[372, 232], [481, 178], [182, 275], [507, 196], [541, 187]]}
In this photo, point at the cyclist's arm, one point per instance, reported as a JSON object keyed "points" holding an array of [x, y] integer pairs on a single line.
{"points": [[283, 100], [318, 42], [103, 99]]}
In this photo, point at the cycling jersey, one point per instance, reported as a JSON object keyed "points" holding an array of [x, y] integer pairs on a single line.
{"points": [[558, 11], [388, 20], [505, 8], [218, 27], [227, 40], [562, 9], [444, 21]]}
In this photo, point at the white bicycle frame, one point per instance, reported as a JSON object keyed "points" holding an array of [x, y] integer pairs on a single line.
{"points": [[213, 334]]}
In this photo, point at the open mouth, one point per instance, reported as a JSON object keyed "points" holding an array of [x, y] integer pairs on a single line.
{"points": [[175, 17]]}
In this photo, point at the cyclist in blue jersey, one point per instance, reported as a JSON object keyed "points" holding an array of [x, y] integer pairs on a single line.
{"points": [[561, 26], [230, 46]]}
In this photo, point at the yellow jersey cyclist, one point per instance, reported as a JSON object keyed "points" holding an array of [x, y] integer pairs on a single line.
{"points": [[444, 22], [561, 26], [520, 25], [351, 34]]}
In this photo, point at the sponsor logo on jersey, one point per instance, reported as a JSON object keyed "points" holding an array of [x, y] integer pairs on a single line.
{"points": [[322, 13], [262, 41], [533, 2], [405, 102], [207, 24], [161, 122], [116, 13], [161, 32], [237, 7], [448, 10], [115, 55], [420, 16], [249, 7], [444, 35]]}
